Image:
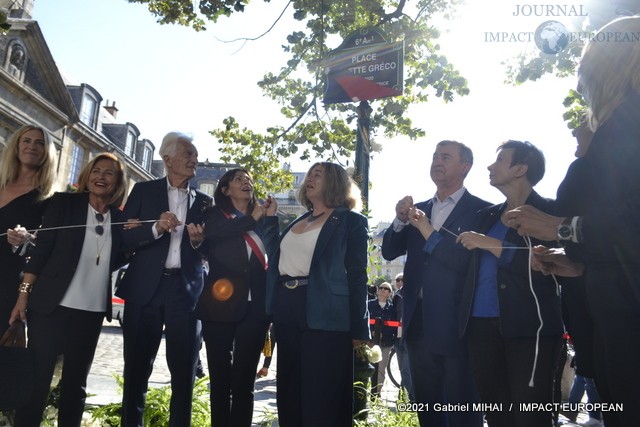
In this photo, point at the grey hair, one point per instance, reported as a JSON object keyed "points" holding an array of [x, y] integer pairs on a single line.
{"points": [[170, 142]]}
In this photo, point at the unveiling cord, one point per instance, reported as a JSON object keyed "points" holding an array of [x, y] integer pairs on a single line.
{"points": [[82, 225], [535, 297]]}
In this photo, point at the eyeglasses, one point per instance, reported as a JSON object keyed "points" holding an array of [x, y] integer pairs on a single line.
{"points": [[399, 280], [385, 289], [99, 227]]}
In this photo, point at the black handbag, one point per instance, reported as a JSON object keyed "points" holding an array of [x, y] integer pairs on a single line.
{"points": [[16, 368]]}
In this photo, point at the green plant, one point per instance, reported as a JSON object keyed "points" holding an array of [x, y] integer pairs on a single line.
{"points": [[157, 407], [381, 415]]}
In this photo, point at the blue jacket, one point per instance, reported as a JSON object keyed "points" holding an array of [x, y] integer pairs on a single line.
{"points": [[337, 289], [438, 267], [518, 308]]}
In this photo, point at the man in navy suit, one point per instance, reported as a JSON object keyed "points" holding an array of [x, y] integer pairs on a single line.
{"points": [[163, 282], [433, 277]]}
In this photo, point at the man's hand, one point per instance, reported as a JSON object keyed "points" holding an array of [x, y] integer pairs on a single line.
{"points": [[419, 220], [167, 222], [555, 261], [196, 234], [402, 208], [529, 221], [132, 223]]}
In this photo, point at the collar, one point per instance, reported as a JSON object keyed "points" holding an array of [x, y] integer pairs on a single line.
{"points": [[179, 190], [455, 197]]}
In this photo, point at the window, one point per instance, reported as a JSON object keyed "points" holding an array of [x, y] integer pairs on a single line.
{"points": [[207, 188], [88, 110], [130, 144], [77, 158], [146, 158]]}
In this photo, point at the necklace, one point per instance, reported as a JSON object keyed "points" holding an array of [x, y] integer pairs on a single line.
{"points": [[313, 217], [100, 230]]}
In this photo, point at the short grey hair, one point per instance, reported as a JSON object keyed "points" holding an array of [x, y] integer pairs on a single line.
{"points": [[170, 142]]}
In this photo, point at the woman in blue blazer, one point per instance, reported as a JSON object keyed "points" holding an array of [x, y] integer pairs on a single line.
{"points": [[239, 231], [510, 316], [66, 289], [317, 292]]}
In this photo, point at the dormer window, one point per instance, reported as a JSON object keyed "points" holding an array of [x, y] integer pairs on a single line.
{"points": [[88, 110], [146, 158], [130, 143]]}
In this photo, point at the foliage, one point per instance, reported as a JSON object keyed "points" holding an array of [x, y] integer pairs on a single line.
{"points": [[381, 415], [157, 406], [328, 131], [4, 25]]}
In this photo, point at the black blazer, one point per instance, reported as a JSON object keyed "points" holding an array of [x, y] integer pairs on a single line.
{"points": [[228, 259], [518, 311], [55, 257], [146, 202]]}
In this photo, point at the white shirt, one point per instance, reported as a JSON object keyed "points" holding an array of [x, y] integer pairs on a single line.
{"points": [[442, 209], [88, 287], [178, 205]]}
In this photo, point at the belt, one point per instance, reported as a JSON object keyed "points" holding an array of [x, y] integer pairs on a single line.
{"points": [[171, 271], [292, 283]]}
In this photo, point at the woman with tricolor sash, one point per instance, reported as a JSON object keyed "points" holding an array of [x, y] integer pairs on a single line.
{"points": [[240, 232]]}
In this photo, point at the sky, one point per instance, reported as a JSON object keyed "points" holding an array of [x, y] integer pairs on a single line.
{"points": [[165, 78]]}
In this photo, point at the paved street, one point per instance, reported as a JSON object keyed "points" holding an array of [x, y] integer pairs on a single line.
{"points": [[108, 361]]}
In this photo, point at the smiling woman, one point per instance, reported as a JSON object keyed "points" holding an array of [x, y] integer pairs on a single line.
{"points": [[66, 285]]}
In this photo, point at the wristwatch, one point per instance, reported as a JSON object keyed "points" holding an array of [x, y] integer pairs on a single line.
{"points": [[565, 230]]}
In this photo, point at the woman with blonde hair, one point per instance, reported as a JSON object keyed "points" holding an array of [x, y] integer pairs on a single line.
{"points": [[67, 288], [602, 243], [26, 177]]}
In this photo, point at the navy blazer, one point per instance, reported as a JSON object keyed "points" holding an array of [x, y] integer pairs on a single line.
{"points": [[228, 259], [55, 257], [518, 309], [439, 271], [146, 202], [337, 289]]}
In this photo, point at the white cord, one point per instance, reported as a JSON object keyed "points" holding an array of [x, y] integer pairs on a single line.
{"points": [[535, 297]]}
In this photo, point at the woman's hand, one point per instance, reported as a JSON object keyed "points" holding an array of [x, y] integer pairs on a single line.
{"points": [[132, 223], [18, 236], [196, 234], [271, 206], [258, 212], [19, 311]]}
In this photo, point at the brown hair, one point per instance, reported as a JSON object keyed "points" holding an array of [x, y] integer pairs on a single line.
{"points": [[121, 185], [339, 189]]}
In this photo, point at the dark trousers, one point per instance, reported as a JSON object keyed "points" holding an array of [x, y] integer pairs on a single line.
{"points": [[74, 334], [614, 301], [233, 353], [502, 368], [440, 379], [170, 307], [315, 367]]}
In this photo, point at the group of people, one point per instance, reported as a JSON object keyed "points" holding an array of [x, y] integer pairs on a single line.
{"points": [[490, 290], [482, 316], [310, 280]]}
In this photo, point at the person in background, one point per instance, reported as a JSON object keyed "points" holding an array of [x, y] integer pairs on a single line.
{"points": [[402, 353], [511, 319], [26, 178], [433, 279], [381, 310], [66, 289], [317, 292], [606, 231], [163, 281], [240, 231]]}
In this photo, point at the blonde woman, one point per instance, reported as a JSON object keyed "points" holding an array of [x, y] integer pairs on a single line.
{"points": [[26, 177], [602, 243]]}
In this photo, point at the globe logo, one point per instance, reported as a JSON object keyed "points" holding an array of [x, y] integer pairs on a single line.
{"points": [[551, 37]]}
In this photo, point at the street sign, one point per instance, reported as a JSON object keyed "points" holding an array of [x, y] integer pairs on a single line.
{"points": [[365, 66]]}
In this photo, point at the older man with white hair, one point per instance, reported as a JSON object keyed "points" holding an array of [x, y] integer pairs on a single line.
{"points": [[163, 281]]}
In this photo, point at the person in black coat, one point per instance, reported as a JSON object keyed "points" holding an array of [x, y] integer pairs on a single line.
{"points": [[240, 232], [163, 281], [66, 289], [606, 233], [510, 317]]}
